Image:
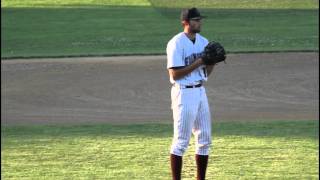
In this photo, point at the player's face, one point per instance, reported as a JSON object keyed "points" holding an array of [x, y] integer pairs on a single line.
{"points": [[195, 25]]}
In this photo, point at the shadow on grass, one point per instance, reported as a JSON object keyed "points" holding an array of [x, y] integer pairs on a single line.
{"points": [[287, 129]]}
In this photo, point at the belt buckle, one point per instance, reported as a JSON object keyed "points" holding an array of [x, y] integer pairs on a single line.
{"points": [[193, 86], [187, 86]]}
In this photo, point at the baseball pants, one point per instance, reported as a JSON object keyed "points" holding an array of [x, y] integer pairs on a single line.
{"points": [[191, 115]]}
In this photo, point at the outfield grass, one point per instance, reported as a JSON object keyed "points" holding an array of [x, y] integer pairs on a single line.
{"points": [[42, 32], [241, 150], [255, 4], [40, 28]]}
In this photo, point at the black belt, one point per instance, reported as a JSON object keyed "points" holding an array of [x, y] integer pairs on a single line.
{"points": [[194, 86]]}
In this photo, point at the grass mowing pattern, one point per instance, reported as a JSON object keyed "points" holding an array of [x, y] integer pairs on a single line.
{"points": [[255, 4], [249, 150], [73, 3], [248, 4], [54, 32]]}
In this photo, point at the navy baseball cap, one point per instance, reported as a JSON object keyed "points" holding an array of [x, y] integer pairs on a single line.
{"points": [[189, 14]]}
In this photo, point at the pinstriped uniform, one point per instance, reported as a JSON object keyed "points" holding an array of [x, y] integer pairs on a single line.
{"points": [[190, 106]]}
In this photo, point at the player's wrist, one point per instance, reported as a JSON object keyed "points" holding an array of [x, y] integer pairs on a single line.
{"points": [[200, 61]]}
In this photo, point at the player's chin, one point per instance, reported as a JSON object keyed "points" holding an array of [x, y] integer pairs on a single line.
{"points": [[196, 31]]}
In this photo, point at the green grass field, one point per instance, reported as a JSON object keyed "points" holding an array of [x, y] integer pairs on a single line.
{"points": [[103, 28], [241, 150], [265, 4]]}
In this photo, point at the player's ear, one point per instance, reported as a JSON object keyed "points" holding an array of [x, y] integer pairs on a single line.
{"points": [[184, 23]]}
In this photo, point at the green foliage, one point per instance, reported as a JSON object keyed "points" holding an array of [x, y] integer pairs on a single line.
{"points": [[248, 150]]}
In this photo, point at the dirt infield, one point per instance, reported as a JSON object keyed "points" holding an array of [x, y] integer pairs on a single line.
{"points": [[275, 86]]}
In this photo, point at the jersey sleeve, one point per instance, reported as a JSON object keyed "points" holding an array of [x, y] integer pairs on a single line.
{"points": [[174, 55], [206, 41]]}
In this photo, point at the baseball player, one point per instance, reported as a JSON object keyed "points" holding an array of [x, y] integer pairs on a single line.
{"points": [[191, 113]]}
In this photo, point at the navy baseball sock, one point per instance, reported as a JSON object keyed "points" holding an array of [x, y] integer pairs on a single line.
{"points": [[202, 162], [176, 166]]}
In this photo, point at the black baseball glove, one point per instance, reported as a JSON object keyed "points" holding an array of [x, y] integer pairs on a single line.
{"points": [[213, 53]]}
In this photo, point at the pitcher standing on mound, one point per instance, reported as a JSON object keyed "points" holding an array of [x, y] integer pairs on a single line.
{"points": [[190, 106]]}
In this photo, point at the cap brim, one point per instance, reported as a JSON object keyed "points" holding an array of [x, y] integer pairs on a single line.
{"points": [[200, 17]]}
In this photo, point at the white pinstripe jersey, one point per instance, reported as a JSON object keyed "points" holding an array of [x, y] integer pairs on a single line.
{"points": [[181, 51]]}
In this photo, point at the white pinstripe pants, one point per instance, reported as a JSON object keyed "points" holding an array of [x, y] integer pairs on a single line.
{"points": [[191, 114]]}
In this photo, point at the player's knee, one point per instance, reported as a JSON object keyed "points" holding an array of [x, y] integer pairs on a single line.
{"points": [[204, 138], [206, 135]]}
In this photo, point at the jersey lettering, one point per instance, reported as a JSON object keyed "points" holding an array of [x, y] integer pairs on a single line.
{"points": [[182, 52]]}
